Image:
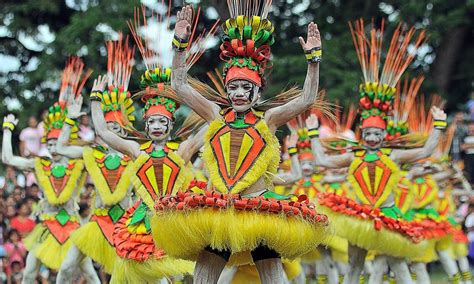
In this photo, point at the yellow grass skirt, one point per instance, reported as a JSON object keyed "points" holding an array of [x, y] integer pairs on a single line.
{"points": [[248, 274], [361, 233], [90, 240], [184, 234], [46, 248]]}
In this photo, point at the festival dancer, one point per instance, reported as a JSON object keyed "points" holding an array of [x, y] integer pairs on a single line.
{"points": [[59, 178], [109, 170], [371, 221], [241, 153], [159, 164]]}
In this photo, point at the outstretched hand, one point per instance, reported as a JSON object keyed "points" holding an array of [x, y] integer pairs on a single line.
{"points": [[438, 114], [11, 119], [99, 84], [312, 122], [313, 38], [292, 140], [184, 18], [74, 105]]}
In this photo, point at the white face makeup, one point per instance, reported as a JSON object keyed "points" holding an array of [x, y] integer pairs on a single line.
{"points": [[158, 127], [51, 146], [116, 128], [373, 137], [307, 167], [242, 94]]}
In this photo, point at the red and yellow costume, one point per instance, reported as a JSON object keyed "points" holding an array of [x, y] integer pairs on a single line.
{"points": [[240, 151], [51, 239]]}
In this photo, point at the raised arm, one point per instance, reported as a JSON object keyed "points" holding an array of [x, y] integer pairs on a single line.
{"points": [[412, 155], [179, 72], [322, 159], [9, 123], [74, 106], [280, 115], [296, 173], [192, 145], [128, 147]]}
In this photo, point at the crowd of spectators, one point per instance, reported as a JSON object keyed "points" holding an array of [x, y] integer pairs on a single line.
{"points": [[20, 198]]}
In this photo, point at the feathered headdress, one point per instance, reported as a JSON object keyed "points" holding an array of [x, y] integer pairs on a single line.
{"points": [[336, 134], [378, 89], [116, 100], [72, 82], [157, 95], [248, 35]]}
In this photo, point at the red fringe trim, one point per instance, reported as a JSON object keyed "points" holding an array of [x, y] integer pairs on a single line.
{"points": [[459, 236], [134, 246], [346, 206], [213, 199]]}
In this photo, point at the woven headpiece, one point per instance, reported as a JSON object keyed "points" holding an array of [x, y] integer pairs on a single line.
{"points": [[378, 89], [248, 35], [116, 100]]}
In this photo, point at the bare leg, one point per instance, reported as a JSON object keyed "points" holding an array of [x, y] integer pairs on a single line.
{"points": [[300, 279], [400, 269], [71, 262], [379, 268], [31, 269], [421, 273], [271, 271], [88, 271], [448, 263], [320, 269], [227, 275], [463, 264], [329, 265], [208, 268], [356, 264], [368, 267]]}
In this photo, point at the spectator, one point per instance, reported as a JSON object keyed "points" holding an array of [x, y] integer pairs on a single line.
{"points": [[3, 274], [470, 106], [16, 273], [23, 222], [85, 131], [12, 180], [468, 148], [469, 224], [16, 251], [30, 139]]}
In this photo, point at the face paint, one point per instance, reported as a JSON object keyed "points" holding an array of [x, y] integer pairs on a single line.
{"points": [[51, 146], [373, 137], [116, 128], [158, 127], [242, 95], [307, 167]]}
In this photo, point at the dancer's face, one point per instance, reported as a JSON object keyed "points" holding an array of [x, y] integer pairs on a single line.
{"points": [[242, 94], [307, 167], [116, 128], [373, 137], [51, 146], [158, 127]]}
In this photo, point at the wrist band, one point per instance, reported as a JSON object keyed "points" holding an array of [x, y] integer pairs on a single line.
{"points": [[69, 121], [440, 124], [314, 55], [8, 125], [96, 96], [180, 44], [292, 151], [313, 133]]}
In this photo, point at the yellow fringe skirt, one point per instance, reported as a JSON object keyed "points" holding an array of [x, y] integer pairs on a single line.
{"points": [[248, 274]]}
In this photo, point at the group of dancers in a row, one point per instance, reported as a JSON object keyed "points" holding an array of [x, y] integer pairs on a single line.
{"points": [[219, 197]]}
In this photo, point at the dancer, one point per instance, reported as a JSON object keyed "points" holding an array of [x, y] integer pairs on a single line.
{"points": [[109, 170], [372, 222], [59, 178], [241, 153]]}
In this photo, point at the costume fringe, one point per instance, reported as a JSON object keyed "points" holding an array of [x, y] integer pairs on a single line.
{"points": [[35, 237], [184, 234], [90, 240], [109, 197], [248, 274]]}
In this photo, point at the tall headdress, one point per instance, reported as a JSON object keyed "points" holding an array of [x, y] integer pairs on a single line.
{"points": [[336, 134], [157, 94], [117, 104], [378, 89], [248, 35], [73, 79], [298, 125], [404, 103]]}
